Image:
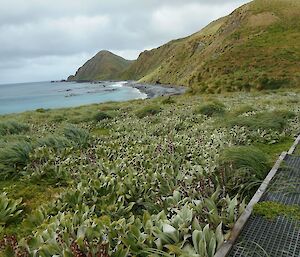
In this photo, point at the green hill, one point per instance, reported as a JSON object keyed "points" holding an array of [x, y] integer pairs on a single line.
{"points": [[256, 46], [103, 66]]}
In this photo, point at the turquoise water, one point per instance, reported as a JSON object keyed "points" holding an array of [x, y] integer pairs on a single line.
{"points": [[31, 96]]}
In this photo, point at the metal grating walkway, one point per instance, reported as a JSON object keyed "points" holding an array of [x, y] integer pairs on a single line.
{"points": [[285, 187], [265, 238], [261, 237]]}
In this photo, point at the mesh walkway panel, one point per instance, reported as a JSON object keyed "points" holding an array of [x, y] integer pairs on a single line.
{"points": [[279, 237]]}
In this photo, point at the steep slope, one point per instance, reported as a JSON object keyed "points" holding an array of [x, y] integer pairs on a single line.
{"points": [[103, 66], [256, 46]]}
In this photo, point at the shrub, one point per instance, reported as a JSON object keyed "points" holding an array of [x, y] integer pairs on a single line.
{"points": [[148, 111], [14, 157], [79, 137], [102, 116], [12, 127], [275, 120], [211, 109]]}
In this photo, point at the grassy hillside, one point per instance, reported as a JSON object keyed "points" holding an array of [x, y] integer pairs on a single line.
{"points": [[255, 47], [159, 177], [103, 66]]}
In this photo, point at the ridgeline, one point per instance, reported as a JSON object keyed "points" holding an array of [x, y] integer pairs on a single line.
{"points": [[255, 47]]}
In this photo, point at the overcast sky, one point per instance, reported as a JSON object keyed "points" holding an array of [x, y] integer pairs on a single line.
{"points": [[49, 39]]}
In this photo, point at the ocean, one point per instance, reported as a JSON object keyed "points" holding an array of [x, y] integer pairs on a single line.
{"points": [[22, 97]]}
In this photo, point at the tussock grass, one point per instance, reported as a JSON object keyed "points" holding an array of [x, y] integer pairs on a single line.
{"points": [[243, 168], [78, 136], [12, 127], [13, 158], [55, 142], [58, 118], [99, 116], [211, 109], [245, 158], [243, 109], [110, 107], [148, 111], [168, 100], [275, 120]]}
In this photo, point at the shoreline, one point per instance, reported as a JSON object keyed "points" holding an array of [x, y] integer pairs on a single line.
{"points": [[152, 90], [147, 90], [156, 90]]}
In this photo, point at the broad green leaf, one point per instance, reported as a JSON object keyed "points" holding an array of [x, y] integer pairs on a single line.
{"points": [[212, 247]]}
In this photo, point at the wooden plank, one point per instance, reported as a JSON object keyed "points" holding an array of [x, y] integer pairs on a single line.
{"points": [[293, 147]]}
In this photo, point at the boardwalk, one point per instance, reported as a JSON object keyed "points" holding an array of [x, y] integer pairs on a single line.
{"points": [[254, 235]]}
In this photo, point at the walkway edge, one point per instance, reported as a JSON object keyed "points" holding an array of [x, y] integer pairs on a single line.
{"points": [[238, 226], [293, 147]]}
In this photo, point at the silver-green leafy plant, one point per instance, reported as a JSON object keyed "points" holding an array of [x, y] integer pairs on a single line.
{"points": [[10, 209]]}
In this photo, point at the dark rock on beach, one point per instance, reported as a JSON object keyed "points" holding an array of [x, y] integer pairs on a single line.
{"points": [[156, 90]]}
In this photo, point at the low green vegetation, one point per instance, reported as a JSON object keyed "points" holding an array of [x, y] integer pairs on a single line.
{"points": [[210, 109], [160, 177], [9, 209], [243, 109], [79, 137], [245, 157], [13, 158], [168, 100], [274, 120], [272, 210], [148, 111], [102, 116], [12, 127], [242, 168], [55, 142]]}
